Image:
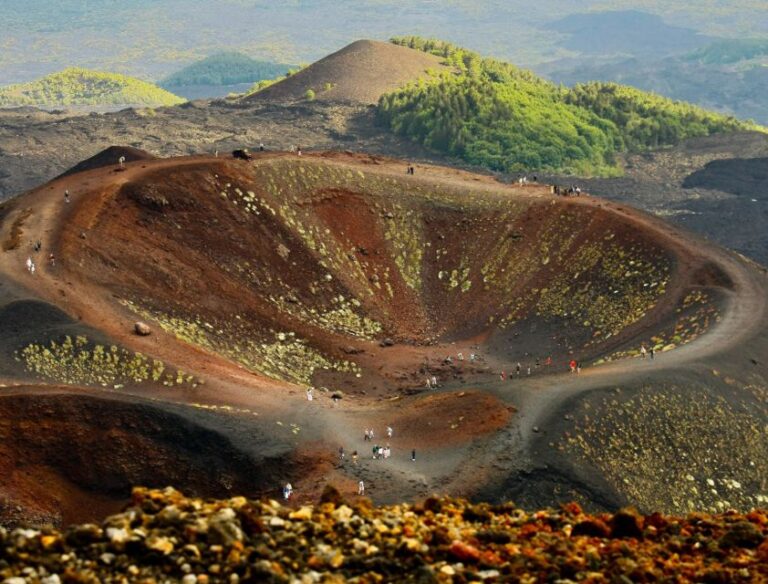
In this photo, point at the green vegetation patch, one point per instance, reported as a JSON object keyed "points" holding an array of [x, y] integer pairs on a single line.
{"points": [[276, 354], [79, 362], [495, 115], [76, 86]]}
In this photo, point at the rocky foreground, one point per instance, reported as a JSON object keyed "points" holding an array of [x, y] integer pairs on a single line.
{"points": [[164, 536]]}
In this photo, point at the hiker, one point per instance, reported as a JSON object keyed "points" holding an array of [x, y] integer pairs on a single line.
{"points": [[460, 356], [287, 491], [429, 383], [51, 260], [413, 455], [653, 349], [389, 431], [66, 196], [216, 153], [121, 161], [354, 457], [29, 264], [572, 365], [643, 351], [503, 375], [517, 368], [367, 436], [298, 150], [261, 146], [361, 488], [32, 268], [310, 397], [434, 382], [578, 367], [375, 451], [529, 369], [341, 453]]}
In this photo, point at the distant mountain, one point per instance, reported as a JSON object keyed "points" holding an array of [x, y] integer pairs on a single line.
{"points": [[78, 87], [627, 32], [728, 76], [227, 68]]}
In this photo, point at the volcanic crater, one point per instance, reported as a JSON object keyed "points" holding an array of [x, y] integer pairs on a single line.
{"points": [[340, 272]]}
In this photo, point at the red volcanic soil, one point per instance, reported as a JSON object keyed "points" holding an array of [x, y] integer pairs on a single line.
{"points": [[448, 419], [360, 72], [262, 278]]}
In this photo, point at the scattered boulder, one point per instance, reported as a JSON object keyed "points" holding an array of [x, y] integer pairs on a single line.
{"points": [[627, 522], [742, 534], [591, 528], [142, 329], [387, 342]]}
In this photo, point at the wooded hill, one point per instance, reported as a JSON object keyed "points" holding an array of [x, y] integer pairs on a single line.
{"points": [[493, 114], [76, 86]]}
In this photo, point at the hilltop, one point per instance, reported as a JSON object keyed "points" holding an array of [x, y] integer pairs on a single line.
{"points": [[341, 272], [360, 73], [77, 86], [228, 68]]}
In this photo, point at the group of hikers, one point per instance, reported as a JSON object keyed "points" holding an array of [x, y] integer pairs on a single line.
{"points": [[572, 191], [378, 453]]}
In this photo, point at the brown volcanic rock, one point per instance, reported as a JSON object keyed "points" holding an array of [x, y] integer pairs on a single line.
{"points": [[360, 72], [164, 536]]}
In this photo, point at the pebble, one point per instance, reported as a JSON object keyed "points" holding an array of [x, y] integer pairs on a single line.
{"points": [[165, 536]]}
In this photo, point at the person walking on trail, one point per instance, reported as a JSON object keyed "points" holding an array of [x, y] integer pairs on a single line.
{"points": [[341, 453], [52, 260], [572, 365], [653, 349], [517, 368], [361, 488], [310, 397], [413, 455], [643, 351], [66, 195], [29, 264], [434, 382], [503, 375], [121, 161], [389, 431], [354, 457], [287, 491], [429, 383]]}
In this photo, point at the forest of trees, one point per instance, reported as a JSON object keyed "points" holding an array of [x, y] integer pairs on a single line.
{"points": [[493, 114], [76, 86], [227, 68]]}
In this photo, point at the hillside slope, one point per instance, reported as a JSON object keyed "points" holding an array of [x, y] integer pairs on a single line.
{"points": [[76, 86], [360, 72]]}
